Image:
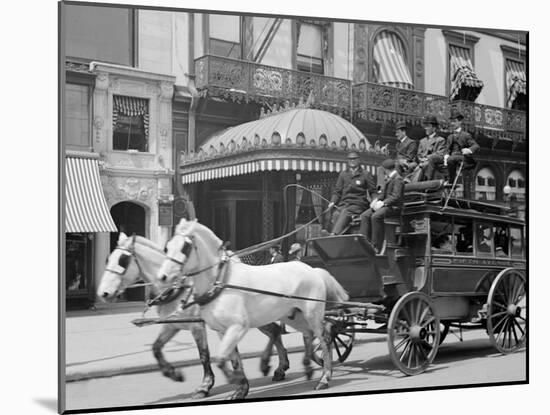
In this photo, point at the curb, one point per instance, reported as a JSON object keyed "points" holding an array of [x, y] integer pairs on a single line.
{"points": [[153, 367]]}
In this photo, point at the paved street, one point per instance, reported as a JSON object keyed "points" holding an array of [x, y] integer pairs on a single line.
{"points": [[368, 368]]}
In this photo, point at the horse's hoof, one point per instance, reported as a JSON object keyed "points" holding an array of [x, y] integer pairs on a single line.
{"points": [[237, 395], [321, 386], [309, 373], [278, 376], [199, 395], [265, 370], [175, 375]]}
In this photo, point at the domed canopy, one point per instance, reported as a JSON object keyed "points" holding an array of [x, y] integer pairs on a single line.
{"points": [[295, 139], [295, 127]]}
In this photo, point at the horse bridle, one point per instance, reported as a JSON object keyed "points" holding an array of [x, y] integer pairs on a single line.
{"points": [[121, 270]]}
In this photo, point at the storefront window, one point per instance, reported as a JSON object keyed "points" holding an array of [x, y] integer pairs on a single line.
{"points": [[77, 263]]}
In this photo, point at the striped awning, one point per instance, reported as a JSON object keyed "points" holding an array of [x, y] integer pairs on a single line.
{"points": [[516, 81], [390, 64], [85, 206], [267, 165], [463, 75]]}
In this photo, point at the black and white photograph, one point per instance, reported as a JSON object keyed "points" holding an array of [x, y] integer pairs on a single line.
{"points": [[263, 207]]}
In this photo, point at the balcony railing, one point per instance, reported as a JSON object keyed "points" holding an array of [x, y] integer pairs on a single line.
{"points": [[375, 102], [248, 81]]}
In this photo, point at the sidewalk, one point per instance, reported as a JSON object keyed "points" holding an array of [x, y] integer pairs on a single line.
{"points": [[105, 343]]}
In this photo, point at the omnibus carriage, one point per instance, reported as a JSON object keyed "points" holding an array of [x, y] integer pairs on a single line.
{"points": [[456, 264]]}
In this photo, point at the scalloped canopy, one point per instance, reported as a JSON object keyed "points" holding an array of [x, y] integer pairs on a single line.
{"points": [[302, 127]]}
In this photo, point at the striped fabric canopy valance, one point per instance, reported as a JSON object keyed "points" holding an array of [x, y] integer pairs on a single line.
{"points": [[463, 76], [390, 63], [85, 206], [131, 107], [516, 81]]}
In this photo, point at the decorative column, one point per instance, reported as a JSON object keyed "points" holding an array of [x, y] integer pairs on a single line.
{"points": [[267, 209], [418, 57], [360, 50], [102, 118]]}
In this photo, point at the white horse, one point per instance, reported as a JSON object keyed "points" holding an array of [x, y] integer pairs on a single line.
{"points": [[136, 257], [263, 296]]}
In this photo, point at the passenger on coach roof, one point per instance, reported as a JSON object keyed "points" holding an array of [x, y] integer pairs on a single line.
{"points": [[460, 147], [406, 149], [352, 192], [390, 201], [276, 255], [431, 151]]}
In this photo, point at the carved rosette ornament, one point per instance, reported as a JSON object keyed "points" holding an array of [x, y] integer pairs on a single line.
{"points": [[102, 81], [163, 133]]}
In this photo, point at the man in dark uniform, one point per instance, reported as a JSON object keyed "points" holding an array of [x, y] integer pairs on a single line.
{"points": [[389, 201], [430, 150], [352, 192], [406, 149], [460, 147]]}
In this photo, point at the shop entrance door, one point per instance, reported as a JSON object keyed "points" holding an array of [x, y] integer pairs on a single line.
{"points": [[129, 218]]}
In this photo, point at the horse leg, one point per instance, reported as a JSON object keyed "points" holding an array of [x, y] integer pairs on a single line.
{"points": [[273, 330], [228, 349], [323, 333], [166, 333], [308, 343], [199, 334]]}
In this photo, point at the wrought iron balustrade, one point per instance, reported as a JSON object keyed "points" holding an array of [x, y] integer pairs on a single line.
{"points": [[248, 81]]}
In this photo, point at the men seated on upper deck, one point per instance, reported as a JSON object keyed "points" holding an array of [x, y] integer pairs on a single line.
{"points": [[353, 191], [406, 149], [460, 147], [430, 151], [389, 201]]}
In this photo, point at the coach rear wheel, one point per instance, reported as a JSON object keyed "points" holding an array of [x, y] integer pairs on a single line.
{"points": [[341, 340], [413, 333], [507, 311]]}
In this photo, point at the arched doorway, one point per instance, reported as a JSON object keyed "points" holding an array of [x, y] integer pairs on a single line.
{"points": [[129, 218]]}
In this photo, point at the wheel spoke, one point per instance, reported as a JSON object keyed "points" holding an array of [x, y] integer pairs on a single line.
{"points": [[410, 355], [519, 327], [401, 343], [406, 313], [416, 354], [431, 320], [418, 314], [513, 330], [405, 351], [421, 347], [423, 316], [500, 332], [499, 304], [499, 314], [502, 320]]}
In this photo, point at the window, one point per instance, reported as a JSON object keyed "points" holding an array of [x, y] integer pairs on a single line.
{"points": [[485, 185], [77, 117], [99, 33], [390, 61], [502, 240], [442, 235], [463, 83], [225, 36], [130, 123], [516, 181], [515, 78], [309, 55], [463, 231], [485, 239], [77, 262], [516, 241]]}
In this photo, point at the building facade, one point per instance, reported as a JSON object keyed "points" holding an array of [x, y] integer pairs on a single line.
{"points": [[228, 118]]}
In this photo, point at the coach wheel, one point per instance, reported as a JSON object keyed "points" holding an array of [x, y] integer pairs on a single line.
{"points": [[413, 333], [342, 336], [507, 311]]}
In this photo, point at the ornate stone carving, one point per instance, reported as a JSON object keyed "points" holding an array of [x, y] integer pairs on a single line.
{"points": [[152, 90], [360, 73], [98, 125], [114, 85], [163, 134], [166, 90], [102, 81], [118, 189]]}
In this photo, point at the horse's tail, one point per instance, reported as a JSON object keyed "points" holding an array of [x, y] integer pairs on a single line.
{"points": [[335, 292]]}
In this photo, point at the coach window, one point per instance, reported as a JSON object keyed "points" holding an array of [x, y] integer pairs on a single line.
{"points": [[130, 123], [441, 233], [463, 229], [516, 241], [502, 240], [485, 239]]}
